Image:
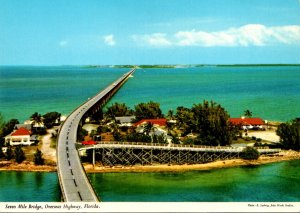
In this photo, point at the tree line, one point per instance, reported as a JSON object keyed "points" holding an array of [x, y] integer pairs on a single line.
{"points": [[208, 119]]}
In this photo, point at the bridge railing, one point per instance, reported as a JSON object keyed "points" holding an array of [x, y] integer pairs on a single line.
{"points": [[264, 149], [165, 145]]}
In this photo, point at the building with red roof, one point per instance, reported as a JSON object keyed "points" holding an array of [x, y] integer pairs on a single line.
{"points": [[158, 122], [21, 132], [248, 123], [21, 136], [89, 142]]}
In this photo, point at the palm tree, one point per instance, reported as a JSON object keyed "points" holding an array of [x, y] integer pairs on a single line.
{"points": [[148, 128], [248, 113], [36, 118], [170, 114]]}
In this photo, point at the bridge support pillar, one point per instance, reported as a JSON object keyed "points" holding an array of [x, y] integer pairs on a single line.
{"points": [[93, 158]]}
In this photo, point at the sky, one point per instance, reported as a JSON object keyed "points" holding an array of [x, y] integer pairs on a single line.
{"points": [[111, 32]]}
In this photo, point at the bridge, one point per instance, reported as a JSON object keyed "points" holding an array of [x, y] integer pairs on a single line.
{"points": [[131, 153], [74, 184]]}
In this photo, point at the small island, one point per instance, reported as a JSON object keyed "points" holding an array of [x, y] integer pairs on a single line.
{"points": [[31, 146]]}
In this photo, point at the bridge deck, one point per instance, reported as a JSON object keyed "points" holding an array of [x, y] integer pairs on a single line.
{"points": [[74, 183], [172, 147]]}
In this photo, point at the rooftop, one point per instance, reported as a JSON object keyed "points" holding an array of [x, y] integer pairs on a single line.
{"points": [[247, 121], [159, 122], [21, 132]]}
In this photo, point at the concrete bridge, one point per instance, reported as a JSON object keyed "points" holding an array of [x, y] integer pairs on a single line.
{"points": [[73, 181], [130, 153]]}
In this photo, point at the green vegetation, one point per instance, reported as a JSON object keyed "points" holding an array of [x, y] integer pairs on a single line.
{"points": [[159, 139], [248, 113], [117, 110], [36, 119], [81, 133], [51, 118], [7, 128], [156, 66], [250, 153], [1, 152], [124, 66], [210, 121], [148, 110], [148, 128], [19, 154], [289, 134], [137, 137], [9, 153], [38, 158], [103, 129]]}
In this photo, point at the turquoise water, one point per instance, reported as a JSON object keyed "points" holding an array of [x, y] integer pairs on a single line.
{"points": [[269, 183], [25, 90], [29, 186], [270, 92], [277, 182]]}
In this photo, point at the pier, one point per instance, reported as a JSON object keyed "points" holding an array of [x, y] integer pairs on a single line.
{"points": [[74, 184]]}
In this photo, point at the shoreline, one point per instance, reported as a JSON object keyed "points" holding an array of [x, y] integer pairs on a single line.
{"points": [[280, 157]]}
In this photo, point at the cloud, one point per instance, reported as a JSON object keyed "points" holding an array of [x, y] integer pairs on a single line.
{"points": [[247, 35], [109, 40], [155, 39]]}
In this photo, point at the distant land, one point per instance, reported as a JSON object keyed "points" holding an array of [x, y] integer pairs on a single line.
{"points": [[144, 66]]}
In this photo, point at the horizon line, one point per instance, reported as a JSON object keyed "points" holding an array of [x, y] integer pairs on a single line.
{"points": [[137, 65]]}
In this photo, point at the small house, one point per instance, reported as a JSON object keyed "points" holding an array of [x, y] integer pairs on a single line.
{"points": [[21, 136], [155, 122], [125, 120], [249, 123]]}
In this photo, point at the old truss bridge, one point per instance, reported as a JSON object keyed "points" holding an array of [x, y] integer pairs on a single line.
{"points": [[128, 153]]}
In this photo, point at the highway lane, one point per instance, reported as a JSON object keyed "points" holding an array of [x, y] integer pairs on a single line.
{"points": [[74, 183]]}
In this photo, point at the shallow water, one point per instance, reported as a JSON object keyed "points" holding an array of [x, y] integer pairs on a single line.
{"points": [[277, 182], [29, 186]]}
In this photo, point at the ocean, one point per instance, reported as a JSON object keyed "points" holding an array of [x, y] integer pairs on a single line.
{"points": [[270, 92], [276, 182]]}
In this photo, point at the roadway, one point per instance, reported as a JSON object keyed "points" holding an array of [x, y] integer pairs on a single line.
{"points": [[74, 183]]}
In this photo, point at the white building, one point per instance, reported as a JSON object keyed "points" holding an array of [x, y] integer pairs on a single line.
{"points": [[21, 136]]}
